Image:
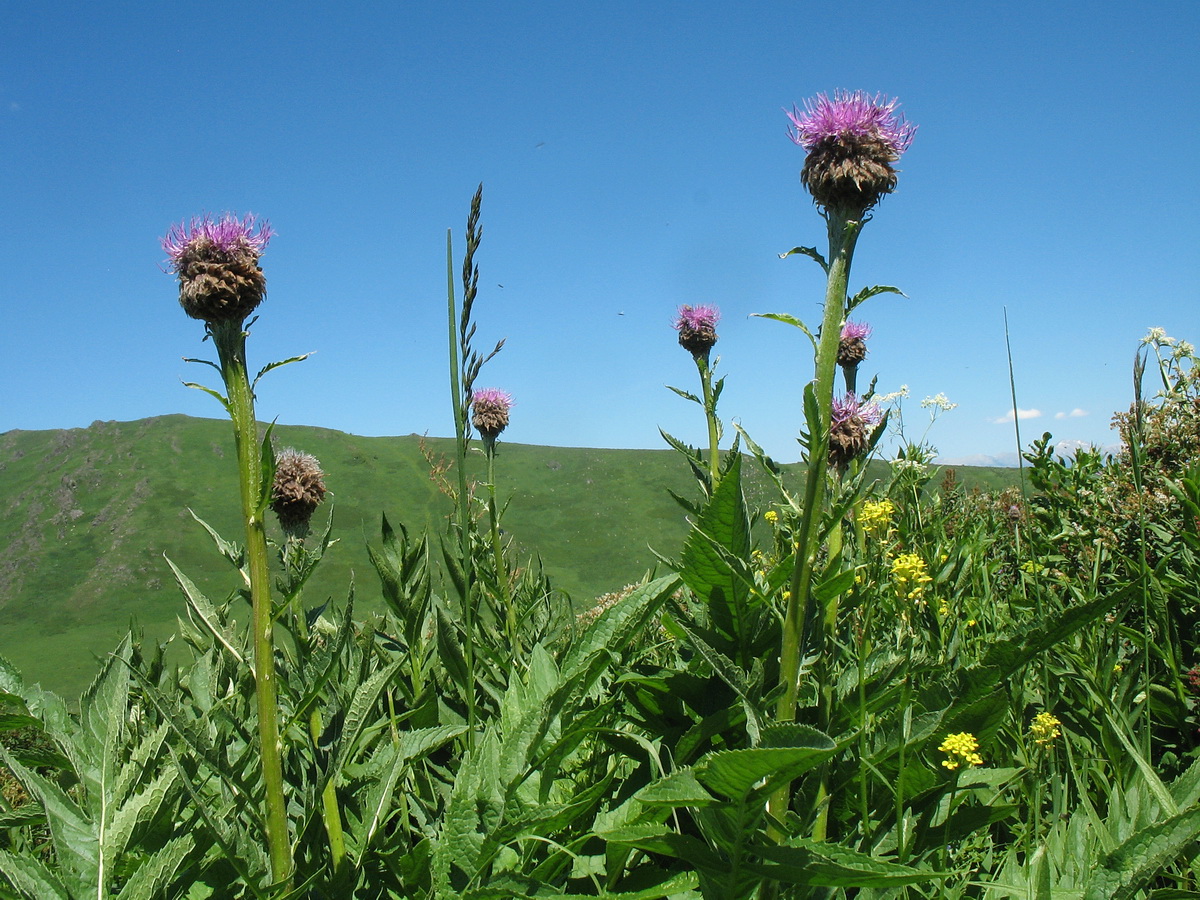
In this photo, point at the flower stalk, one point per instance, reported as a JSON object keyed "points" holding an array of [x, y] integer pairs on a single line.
{"points": [[230, 339]]}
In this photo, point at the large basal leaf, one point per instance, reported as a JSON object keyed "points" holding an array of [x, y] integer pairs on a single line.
{"points": [[32, 876], [1129, 868]]}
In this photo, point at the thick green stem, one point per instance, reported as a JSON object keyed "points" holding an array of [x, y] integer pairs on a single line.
{"points": [[231, 348], [843, 234]]}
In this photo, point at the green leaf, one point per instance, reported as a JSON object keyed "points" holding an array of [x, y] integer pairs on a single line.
{"points": [[30, 875], [219, 397], [831, 865], [205, 613], [811, 252], [680, 788], [364, 700], [789, 320], [231, 550], [1135, 863], [152, 877], [76, 845], [686, 395], [275, 365], [735, 773], [137, 811], [868, 292], [721, 526]]}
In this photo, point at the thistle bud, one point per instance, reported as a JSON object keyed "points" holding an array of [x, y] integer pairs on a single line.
{"points": [[852, 348], [489, 411], [217, 264], [697, 327], [297, 490], [852, 142]]}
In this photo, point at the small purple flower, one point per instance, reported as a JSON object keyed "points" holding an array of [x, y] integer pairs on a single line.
{"points": [[489, 411], [697, 327], [227, 235], [855, 116], [856, 331]]}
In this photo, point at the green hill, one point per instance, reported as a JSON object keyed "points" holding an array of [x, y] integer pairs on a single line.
{"points": [[89, 514]]}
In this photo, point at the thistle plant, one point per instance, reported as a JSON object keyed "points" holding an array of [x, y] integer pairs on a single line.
{"points": [[851, 142], [489, 414], [221, 283], [697, 327]]}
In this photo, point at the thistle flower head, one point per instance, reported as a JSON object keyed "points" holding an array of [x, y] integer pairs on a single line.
{"points": [[852, 141], [697, 327], [297, 490], [850, 427], [217, 264], [489, 411], [852, 348]]}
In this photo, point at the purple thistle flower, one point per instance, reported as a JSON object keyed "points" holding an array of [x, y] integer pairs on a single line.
{"points": [[848, 408], [228, 235], [856, 331], [697, 327], [697, 317], [489, 411], [855, 116]]}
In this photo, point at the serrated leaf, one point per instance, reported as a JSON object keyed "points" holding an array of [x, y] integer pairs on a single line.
{"points": [[1137, 861], [275, 365], [153, 876], [722, 525], [735, 773], [76, 844], [680, 788], [137, 810], [686, 395], [31, 875], [205, 612], [868, 292]]}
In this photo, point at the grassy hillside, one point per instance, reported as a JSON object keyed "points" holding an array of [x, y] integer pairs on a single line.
{"points": [[89, 514]]}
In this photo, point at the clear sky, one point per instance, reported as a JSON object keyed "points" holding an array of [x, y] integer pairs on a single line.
{"points": [[634, 157]]}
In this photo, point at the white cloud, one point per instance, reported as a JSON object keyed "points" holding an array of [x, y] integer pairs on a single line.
{"points": [[1076, 413], [1021, 414]]}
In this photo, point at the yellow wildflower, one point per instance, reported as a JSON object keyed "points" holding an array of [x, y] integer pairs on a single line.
{"points": [[961, 748], [910, 574], [771, 516], [1044, 728], [876, 516]]}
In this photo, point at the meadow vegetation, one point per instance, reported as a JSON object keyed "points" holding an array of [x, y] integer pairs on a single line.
{"points": [[841, 682]]}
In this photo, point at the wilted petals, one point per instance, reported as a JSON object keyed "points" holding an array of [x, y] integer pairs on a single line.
{"points": [[850, 427]]}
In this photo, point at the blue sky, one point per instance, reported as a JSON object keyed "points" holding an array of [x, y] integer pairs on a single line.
{"points": [[634, 157]]}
